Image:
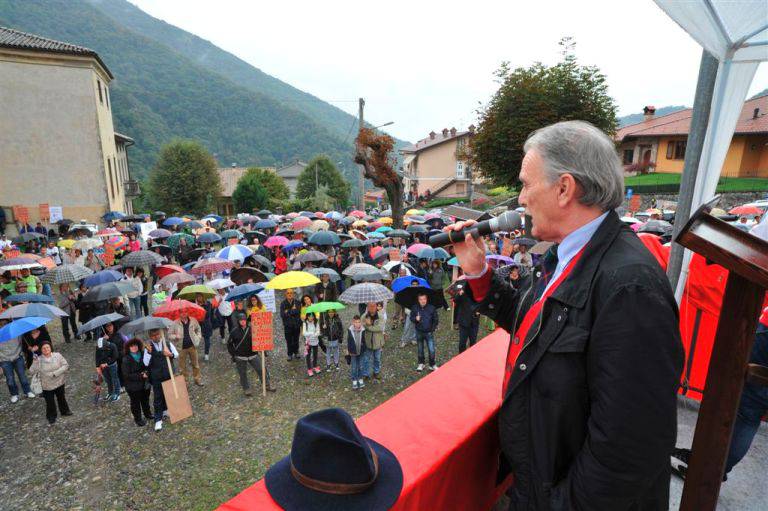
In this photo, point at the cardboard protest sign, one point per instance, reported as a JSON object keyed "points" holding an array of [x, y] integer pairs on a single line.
{"points": [[267, 297], [20, 214], [56, 213], [262, 338], [146, 228], [45, 212], [177, 399]]}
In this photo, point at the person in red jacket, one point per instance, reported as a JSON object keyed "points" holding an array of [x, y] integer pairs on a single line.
{"points": [[281, 263]]}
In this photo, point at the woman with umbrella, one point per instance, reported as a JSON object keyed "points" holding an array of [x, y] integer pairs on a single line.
{"points": [[436, 277], [67, 301], [240, 348], [52, 368], [11, 360]]}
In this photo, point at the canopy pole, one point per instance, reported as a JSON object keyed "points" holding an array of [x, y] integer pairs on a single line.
{"points": [[698, 130]]}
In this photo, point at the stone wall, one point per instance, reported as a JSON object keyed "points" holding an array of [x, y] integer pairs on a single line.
{"points": [[727, 200]]}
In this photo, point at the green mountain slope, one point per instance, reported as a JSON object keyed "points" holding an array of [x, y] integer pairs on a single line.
{"points": [[635, 118], [159, 94], [213, 58]]}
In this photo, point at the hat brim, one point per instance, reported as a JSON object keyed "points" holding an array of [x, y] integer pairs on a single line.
{"points": [[382, 495]]}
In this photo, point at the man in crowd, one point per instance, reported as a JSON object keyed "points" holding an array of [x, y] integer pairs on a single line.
{"points": [[425, 319], [186, 331], [155, 355], [290, 313]]}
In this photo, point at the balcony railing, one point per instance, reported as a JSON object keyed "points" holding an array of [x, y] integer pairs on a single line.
{"points": [[131, 188]]}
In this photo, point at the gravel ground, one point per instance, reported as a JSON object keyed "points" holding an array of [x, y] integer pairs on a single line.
{"points": [[99, 459]]}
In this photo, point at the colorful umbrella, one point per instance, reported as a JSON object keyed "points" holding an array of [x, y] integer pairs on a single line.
{"points": [[211, 265], [276, 241], [234, 253], [174, 239], [384, 229], [416, 248], [325, 307], [197, 289], [367, 292], [172, 310], [292, 279]]}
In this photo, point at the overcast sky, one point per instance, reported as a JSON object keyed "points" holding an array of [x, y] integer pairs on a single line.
{"points": [[427, 65]]}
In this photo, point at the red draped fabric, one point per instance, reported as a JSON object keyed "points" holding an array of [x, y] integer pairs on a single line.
{"points": [[442, 430]]}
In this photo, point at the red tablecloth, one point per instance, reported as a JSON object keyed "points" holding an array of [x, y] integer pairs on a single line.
{"points": [[442, 430]]}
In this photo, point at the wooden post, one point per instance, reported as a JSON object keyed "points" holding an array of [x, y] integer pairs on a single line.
{"points": [[746, 258], [263, 376], [170, 370]]}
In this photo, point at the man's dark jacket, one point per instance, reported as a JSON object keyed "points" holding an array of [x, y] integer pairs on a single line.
{"points": [[589, 419]]}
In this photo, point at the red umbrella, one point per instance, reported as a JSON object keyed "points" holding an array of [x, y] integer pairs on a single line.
{"points": [[173, 309], [166, 269], [357, 213], [746, 211], [300, 223]]}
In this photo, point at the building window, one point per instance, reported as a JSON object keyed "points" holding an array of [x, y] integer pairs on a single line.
{"points": [[106, 93], [629, 155], [676, 149], [459, 170], [111, 178], [101, 98]]}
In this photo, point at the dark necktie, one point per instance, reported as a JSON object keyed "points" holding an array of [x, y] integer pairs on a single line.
{"points": [[546, 266]]}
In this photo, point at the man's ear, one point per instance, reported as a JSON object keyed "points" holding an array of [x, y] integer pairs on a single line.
{"points": [[568, 189]]}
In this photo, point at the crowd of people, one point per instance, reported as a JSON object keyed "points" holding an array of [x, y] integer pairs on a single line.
{"points": [[69, 274]]}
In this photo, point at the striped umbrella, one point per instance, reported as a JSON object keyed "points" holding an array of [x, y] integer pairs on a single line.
{"points": [[367, 292], [66, 273], [234, 253], [211, 265], [364, 268]]}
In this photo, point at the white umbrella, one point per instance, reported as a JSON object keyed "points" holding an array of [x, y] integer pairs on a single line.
{"points": [[220, 283]]}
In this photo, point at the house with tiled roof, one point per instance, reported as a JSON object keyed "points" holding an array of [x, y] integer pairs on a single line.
{"points": [[435, 166], [290, 174], [59, 145], [659, 143], [229, 176]]}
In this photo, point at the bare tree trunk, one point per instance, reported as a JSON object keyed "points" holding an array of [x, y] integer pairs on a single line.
{"points": [[395, 196]]}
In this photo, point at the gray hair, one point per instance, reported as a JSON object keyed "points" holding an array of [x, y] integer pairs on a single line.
{"points": [[580, 149]]}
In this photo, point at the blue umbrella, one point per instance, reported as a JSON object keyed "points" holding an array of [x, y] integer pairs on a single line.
{"points": [[307, 214], [265, 223], [208, 237], [441, 253], [213, 218], [376, 235], [453, 261], [244, 291], [21, 326], [113, 215], [102, 277], [29, 298], [293, 244], [401, 283], [334, 215], [426, 253], [188, 266], [174, 220]]}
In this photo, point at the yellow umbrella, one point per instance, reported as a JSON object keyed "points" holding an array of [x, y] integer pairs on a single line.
{"points": [[412, 212], [66, 243], [385, 220], [292, 279], [319, 225], [360, 223]]}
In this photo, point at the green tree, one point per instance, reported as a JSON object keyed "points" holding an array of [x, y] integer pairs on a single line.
{"points": [[276, 188], [184, 179], [322, 171], [529, 99], [249, 194]]}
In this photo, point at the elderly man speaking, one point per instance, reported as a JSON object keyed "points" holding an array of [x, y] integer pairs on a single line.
{"points": [[588, 418]]}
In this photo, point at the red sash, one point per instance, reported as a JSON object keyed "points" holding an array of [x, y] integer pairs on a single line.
{"points": [[530, 318]]}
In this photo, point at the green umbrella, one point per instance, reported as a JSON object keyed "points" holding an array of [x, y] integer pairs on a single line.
{"points": [[173, 240], [325, 307], [195, 289]]}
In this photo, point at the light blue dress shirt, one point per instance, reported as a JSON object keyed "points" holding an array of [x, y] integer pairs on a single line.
{"points": [[571, 245]]}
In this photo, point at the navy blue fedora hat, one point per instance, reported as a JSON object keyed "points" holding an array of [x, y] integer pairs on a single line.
{"points": [[332, 466]]}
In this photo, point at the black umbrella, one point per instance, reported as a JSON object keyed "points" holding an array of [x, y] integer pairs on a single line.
{"points": [[163, 249], [65, 221], [659, 227], [409, 296], [106, 291], [99, 321], [145, 324], [324, 238], [193, 255], [263, 261], [263, 213], [252, 235]]}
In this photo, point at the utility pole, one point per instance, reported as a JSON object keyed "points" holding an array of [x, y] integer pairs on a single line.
{"points": [[360, 178]]}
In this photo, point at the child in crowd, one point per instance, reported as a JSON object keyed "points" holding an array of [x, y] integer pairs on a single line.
{"points": [[310, 331], [355, 351], [333, 332]]}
